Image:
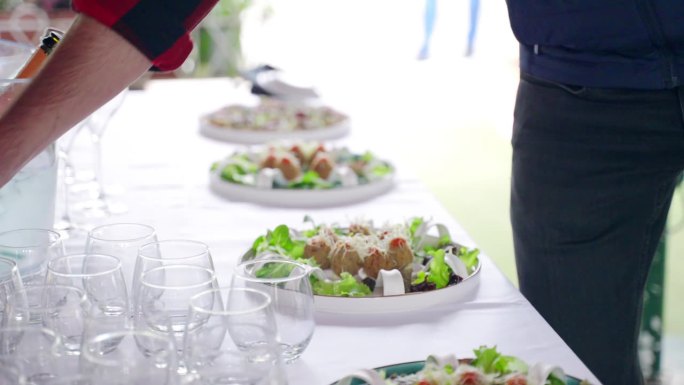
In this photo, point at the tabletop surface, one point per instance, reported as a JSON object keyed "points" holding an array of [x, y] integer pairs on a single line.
{"points": [[154, 154]]}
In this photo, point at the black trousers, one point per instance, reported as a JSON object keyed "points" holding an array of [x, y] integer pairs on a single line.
{"points": [[593, 175]]}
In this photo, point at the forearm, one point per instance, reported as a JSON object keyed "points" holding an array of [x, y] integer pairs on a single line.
{"points": [[90, 66]]}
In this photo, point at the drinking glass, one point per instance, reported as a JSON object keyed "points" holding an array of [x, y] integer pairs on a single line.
{"points": [[164, 296], [287, 283], [121, 240], [10, 283], [98, 275], [35, 352], [233, 341], [130, 357], [9, 374], [31, 249], [170, 252], [84, 158], [62, 309]]}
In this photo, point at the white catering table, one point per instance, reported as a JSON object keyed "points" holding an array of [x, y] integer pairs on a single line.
{"points": [[154, 151]]}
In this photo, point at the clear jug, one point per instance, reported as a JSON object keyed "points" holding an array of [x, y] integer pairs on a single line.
{"points": [[28, 199]]}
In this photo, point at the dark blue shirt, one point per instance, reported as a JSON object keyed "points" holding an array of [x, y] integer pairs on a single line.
{"points": [[635, 44]]}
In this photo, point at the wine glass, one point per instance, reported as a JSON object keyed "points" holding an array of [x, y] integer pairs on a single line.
{"points": [[10, 374], [35, 352], [31, 249], [287, 283], [233, 341], [98, 275], [122, 240], [130, 357], [94, 202], [62, 309], [10, 283], [164, 296], [170, 252]]}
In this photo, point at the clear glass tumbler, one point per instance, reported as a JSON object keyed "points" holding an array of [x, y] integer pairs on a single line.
{"points": [[288, 285]]}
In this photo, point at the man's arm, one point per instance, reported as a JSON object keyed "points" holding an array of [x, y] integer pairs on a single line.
{"points": [[91, 65]]}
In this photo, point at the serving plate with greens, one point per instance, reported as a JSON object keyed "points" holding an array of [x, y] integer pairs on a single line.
{"points": [[302, 174], [361, 268], [274, 119], [489, 367]]}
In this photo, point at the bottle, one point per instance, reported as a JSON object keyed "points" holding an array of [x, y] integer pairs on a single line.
{"points": [[35, 62]]}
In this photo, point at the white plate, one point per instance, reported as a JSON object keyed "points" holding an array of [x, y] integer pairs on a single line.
{"points": [[408, 302], [460, 292], [299, 197], [255, 137]]}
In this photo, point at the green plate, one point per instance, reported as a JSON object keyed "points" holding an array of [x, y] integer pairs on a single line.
{"points": [[413, 367]]}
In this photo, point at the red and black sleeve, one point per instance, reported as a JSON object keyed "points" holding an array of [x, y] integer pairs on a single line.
{"points": [[158, 28]]}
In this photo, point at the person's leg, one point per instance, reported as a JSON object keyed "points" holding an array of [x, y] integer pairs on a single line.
{"points": [[592, 178], [429, 26]]}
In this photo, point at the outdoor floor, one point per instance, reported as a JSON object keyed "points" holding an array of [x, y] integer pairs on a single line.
{"points": [[460, 108]]}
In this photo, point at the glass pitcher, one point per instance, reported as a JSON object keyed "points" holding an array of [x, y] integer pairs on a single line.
{"points": [[28, 199]]}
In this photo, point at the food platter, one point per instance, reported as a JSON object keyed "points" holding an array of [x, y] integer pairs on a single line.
{"points": [[488, 367], [393, 289], [301, 174], [408, 368], [274, 119]]}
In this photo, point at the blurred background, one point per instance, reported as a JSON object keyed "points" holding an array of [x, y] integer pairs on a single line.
{"points": [[447, 69]]}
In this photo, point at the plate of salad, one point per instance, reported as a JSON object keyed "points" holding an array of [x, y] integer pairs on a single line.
{"points": [[301, 174], [361, 268], [489, 367], [274, 119]]}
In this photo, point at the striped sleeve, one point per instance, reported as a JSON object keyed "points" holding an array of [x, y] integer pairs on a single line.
{"points": [[158, 28]]}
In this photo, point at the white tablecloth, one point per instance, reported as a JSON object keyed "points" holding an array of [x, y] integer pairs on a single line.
{"points": [[154, 151]]}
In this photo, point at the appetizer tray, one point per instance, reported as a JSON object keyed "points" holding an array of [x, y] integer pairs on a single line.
{"points": [[303, 174], [364, 269], [489, 367], [274, 119]]}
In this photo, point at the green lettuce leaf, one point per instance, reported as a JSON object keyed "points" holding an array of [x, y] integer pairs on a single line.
{"points": [[439, 271], [347, 286]]}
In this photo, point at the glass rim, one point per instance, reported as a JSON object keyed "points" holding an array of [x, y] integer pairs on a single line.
{"points": [[83, 298], [145, 283], [120, 334], [56, 339], [48, 231], [52, 262], [99, 238], [9, 261], [241, 273], [203, 310], [141, 252]]}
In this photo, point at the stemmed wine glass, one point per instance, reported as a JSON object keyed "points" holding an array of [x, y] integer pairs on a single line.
{"points": [[84, 187]]}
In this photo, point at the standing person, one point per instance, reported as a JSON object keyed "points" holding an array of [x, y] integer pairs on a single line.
{"points": [[110, 44], [598, 145]]}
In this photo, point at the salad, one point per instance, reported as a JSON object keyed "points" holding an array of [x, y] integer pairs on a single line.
{"points": [[362, 260], [489, 367], [275, 115], [301, 166]]}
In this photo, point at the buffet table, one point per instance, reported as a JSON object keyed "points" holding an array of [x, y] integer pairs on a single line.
{"points": [[154, 152]]}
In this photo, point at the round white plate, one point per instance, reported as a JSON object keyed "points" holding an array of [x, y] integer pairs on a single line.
{"points": [[299, 197], [399, 303], [255, 137], [408, 302]]}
